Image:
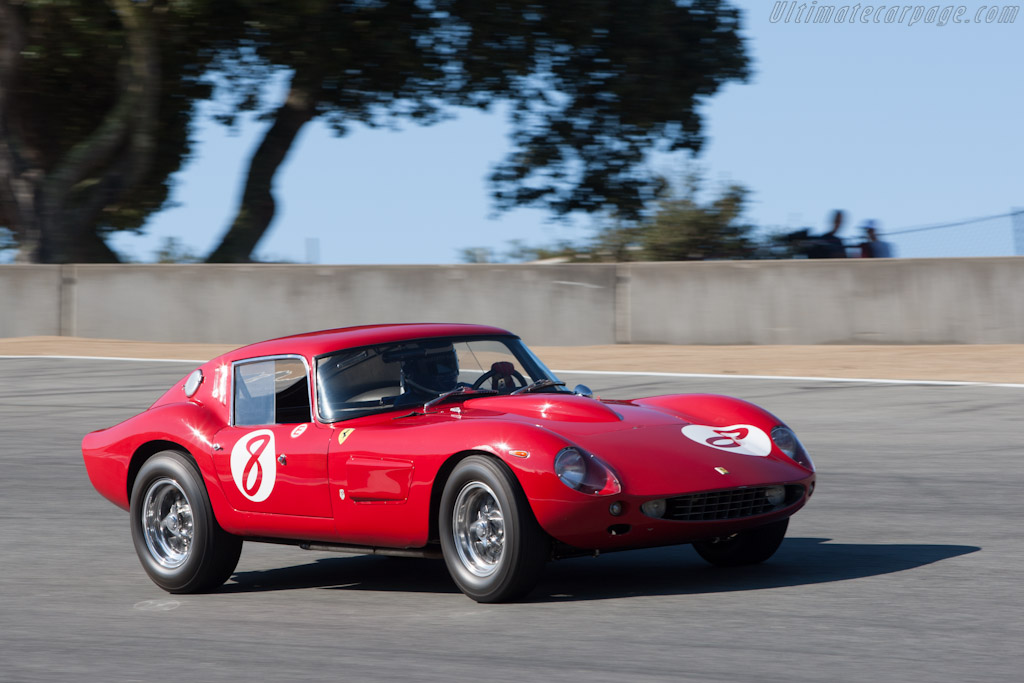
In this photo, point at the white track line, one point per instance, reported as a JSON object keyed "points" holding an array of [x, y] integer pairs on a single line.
{"points": [[684, 375], [791, 378], [130, 360]]}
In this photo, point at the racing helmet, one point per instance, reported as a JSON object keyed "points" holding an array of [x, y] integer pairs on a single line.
{"points": [[436, 371]]}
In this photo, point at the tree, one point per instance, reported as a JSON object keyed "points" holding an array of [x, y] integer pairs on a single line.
{"points": [[681, 228], [594, 87], [172, 250], [349, 62], [684, 230], [95, 104]]}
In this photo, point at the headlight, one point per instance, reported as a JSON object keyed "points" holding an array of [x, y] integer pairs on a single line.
{"points": [[786, 440], [583, 472], [571, 468]]}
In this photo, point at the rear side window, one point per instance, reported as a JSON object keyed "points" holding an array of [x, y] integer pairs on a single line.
{"points": [[271, 392]]}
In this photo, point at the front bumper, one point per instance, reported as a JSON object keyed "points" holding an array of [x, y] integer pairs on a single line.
{"points": [[587, 523]]}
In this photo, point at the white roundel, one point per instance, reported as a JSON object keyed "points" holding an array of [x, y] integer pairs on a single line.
{"points": [[253, 465], [741, 439]]}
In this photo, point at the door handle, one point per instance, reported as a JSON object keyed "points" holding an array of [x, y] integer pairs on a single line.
{"points": [[282, 459]]}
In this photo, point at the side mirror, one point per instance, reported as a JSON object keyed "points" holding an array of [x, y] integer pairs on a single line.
{"points": [[583, 390]]}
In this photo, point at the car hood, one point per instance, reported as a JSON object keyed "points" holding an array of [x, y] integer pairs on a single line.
{"points": [[658, 446], [554, 408]]}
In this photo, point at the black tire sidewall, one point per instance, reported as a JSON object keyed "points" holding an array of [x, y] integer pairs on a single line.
{"points": [[750, 546], [174, 466], [519, 566]]}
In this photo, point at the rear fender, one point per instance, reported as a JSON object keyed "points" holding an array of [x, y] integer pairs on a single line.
{"points": [[114, 456]]}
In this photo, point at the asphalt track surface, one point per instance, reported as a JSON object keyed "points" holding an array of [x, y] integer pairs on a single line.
{"points": [[905, 566]]}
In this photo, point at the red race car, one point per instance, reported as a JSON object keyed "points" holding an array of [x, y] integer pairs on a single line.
{"points": [[438, 440]]}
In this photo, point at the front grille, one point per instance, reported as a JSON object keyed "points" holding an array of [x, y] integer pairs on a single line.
{"points": [[730, 504]]}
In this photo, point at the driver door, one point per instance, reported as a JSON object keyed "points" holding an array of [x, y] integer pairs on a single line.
{"points": [[273, 457]]}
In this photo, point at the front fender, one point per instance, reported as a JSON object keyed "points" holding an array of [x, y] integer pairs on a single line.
{"points": [[712, 409]]}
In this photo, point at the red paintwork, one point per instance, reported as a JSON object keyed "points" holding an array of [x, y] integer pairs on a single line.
{"points": [[391, 466]]}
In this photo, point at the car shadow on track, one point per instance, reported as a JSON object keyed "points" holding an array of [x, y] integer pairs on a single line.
{"points": [[674, 570], [679, 570], [349, 572]]}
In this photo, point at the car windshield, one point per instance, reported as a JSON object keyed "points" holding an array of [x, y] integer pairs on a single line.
{"points": [[400, 375]]}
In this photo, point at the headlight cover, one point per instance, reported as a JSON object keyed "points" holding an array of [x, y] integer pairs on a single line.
{"points": [[584, 472], [786, 440]]}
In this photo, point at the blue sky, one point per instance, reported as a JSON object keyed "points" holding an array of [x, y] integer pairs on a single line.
{"points": [[907, 125]]}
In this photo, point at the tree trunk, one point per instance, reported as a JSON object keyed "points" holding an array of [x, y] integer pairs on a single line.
{"points": [[257, 207], [17, 184], [53, 213]]}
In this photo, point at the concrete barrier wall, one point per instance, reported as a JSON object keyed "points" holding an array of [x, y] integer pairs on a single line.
{"points": [[884, 301], [897, 301], [30, 299], [554, 305]]}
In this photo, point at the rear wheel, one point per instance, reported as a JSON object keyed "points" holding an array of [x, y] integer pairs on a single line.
{"points": [[494, 549], [176, 536], [749, 546]]}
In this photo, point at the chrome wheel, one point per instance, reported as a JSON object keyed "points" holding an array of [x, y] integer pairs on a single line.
{"points": [[167, 523], [491, 542], [478, 527]]}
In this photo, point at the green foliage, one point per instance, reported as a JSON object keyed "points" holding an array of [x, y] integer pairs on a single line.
{"points": [[95, 115], [67, 85], [681, 228], [594, 86], [173, 250], [685, 230], [476, 255]]}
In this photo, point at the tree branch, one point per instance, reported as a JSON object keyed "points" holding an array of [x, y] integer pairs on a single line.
{"points": [[130, 121], [122, 146], [11, 192], [257, 207]]}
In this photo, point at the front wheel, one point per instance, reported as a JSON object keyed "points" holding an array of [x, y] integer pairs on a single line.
{"points": [[493, 547], [176, 536], [750, 546]]}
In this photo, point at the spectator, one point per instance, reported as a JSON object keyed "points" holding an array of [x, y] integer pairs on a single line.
{"points": [[874, 247], [829, 245]]}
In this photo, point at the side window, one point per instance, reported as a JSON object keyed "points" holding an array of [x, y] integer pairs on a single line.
{"points": [[271, 392], [357, 383]]}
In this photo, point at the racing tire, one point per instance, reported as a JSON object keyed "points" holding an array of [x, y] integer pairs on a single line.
{"points": [[750, 546], [176, 535], [493, 546]]}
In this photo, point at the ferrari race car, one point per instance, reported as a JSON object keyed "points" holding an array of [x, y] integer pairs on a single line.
{"points": [[439, 440]]}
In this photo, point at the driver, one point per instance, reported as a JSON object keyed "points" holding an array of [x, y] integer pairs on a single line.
{"points": [[435, 373]]}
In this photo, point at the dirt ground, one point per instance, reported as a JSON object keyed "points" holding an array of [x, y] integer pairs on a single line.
{"points": [[977, 363]]}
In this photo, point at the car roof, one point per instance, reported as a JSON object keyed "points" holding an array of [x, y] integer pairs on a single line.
{"points": [[313, 344]]}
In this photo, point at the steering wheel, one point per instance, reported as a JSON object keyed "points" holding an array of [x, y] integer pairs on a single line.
{"points": [[494, 373]]}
